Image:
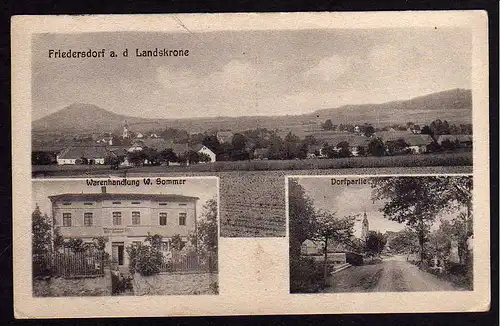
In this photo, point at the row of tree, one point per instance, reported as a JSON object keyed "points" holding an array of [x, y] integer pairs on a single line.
{"points": [[435, 128]]}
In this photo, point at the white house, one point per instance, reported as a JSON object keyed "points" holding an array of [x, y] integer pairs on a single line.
{"points": [[202, 149]]}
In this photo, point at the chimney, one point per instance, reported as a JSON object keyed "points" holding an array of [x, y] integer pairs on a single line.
{"points": [[103, 189]]}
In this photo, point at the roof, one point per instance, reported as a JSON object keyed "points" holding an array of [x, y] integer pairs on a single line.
{"points": [[392, 135], [198, 147], [334, 138], [107, 196], [418, 140], [88, 152], [460, 138], [157, 143]]}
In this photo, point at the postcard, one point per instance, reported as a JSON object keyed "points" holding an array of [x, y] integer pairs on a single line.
{"points": [[187, 163]]}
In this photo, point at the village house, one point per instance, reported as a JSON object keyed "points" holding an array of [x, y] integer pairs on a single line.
{"points": [[83, 155], [464, 141], [124, 219], [202, 149], [418, 143]]}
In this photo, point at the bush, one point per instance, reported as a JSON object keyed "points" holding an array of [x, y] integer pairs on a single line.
{"points": [[120, 283], [306, 276], [144, 259]]}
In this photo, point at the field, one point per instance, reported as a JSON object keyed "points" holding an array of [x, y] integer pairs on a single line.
{"points": [[252, 203], [441, 159]]}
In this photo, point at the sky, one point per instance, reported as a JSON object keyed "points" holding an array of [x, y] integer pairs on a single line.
{"points": [[241, 73], [354, 200], [205, 189]]}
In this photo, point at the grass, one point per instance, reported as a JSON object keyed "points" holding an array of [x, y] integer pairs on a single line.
{"points": [[439, 159]]}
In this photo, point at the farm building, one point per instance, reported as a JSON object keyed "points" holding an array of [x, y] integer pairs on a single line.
{"points": [[202, 149], [463, 140], [418, 143], [337, 254], [83, 155], [123, 218]]}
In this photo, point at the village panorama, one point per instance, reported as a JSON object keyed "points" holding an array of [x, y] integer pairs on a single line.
{"points": [[320, 142]]}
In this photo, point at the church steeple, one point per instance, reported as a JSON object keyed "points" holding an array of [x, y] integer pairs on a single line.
{"points": [[125, 130], [365, 227]]}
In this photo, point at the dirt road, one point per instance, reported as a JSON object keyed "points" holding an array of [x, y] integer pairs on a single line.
{"points": [[392, 275]]}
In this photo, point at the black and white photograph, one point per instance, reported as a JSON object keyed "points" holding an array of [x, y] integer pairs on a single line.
{"points": [[199, 164], [381, 234], [252, 110], [101, 237]]}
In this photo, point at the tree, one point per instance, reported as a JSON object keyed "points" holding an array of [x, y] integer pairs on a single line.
{"points": [[136, 157], [291, 146], [152, 156], [239, 142], [212, 142], [206, 237], [328, 150], [76, 245], [330, 228], [376, 147], [375, 243], [41, 231], [177, 243], [328, 125], [397, 147], [276, 148], [204, 157], [168, 155], [100, 243], [344, 149], [426, 130], [301, 218], [415, 201], [146, 258], [192, 157], [369, 130], [406, 241]]}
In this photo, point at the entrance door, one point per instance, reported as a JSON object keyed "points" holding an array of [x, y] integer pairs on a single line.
{"points": [[117, 252]]}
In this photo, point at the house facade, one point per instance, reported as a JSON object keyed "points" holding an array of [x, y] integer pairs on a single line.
{"points": [[123, 218], [83, 155]]}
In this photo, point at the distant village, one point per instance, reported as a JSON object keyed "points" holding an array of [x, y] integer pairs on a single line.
{"points": [[134, 147]]}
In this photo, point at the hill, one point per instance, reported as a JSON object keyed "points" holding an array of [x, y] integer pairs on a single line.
{"points": [[453, 105]]}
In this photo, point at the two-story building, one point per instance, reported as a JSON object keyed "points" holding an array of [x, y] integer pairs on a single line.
{"points": [[124, 218]]}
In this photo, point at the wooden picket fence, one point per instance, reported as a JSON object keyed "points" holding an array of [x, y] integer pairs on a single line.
{"points": [[177, 262], [69, 264]]}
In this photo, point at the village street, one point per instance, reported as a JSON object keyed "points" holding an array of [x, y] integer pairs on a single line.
{"points": [[394, 274]]}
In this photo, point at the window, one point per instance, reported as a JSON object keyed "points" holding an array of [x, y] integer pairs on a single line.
{"points": [[163, 218], [88, 204], [182, 218], [66, 219], [66, 203], [136, 202], [163, 204], [88, 219], [136, 218], [182, 204], [117, 218], [117, 202]]}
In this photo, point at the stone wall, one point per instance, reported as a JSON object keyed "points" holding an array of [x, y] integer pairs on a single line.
{"points": [[176, 284], [61, 287]]}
